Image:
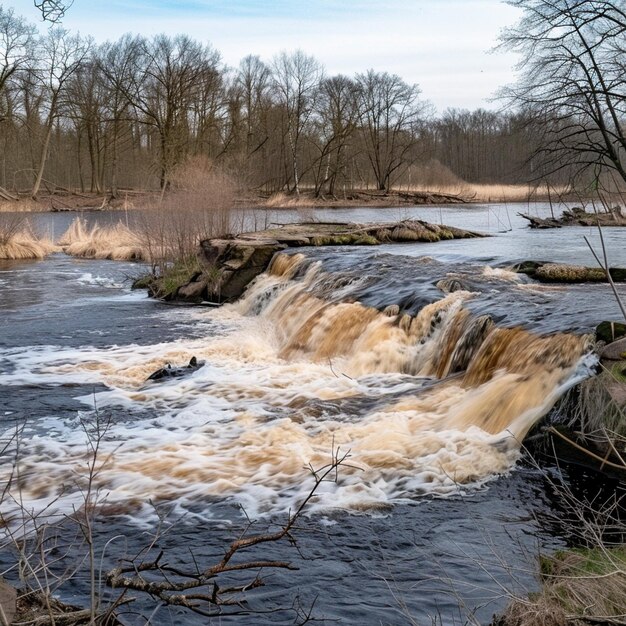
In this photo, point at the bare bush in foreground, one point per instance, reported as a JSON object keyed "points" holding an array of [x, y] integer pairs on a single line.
{"points": [[197, 206], [51, 550]]}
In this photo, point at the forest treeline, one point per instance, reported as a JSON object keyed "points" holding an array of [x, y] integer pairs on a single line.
{"points": [[124, 114]]}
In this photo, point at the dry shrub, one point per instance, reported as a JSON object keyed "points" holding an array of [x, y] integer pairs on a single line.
{"points": [[580, 586], [116, 242], [281, 200], [198, 206], [17, 240], [527, 614]]}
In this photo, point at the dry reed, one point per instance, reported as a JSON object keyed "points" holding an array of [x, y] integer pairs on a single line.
{"points": [[18, 241], [484, 193], [116, 242]]}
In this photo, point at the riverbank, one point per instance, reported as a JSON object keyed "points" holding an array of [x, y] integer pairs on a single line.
{"points": [[126, 199], [584, 583]]}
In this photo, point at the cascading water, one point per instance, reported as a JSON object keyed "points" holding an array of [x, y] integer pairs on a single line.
{"points": [[425, 400]]}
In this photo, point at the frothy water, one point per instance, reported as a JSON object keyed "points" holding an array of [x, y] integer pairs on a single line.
{"points": [[427, 362], [426, 402]]}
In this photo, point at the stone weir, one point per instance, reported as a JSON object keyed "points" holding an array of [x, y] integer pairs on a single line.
{"points": [[228, 265]]}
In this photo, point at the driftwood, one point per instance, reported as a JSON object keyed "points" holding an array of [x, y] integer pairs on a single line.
{"points": [[539, 222], [419, 197], [66, 189], [435, 197], [578, 217]]}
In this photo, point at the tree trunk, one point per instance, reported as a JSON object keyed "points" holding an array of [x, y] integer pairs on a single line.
{"points": [[44, 156]]}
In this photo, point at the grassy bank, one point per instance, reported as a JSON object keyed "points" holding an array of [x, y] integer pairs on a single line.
{"points": [[580, 586]]}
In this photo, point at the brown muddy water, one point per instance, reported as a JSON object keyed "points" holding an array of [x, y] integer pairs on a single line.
{"points": [[437, 512]]}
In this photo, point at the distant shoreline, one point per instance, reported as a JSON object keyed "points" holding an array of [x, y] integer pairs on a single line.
{"points": [[63, 201]]}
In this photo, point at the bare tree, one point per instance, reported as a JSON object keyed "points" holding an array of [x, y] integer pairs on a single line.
{"points": [[53, 10], [254, 82], [117, 63], [60, 56], [572, 79], [16, 42], [165, 81], [337, 116], [296, 80], [86, 106], [389, 110]]}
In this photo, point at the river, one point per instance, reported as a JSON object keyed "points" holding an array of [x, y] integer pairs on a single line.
{"points": [[437, 510]]}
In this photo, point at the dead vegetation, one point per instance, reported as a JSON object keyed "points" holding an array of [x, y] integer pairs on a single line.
{"points": [[116, 242], [581, 586], [45, 565], [18, 241], [197, 206]]}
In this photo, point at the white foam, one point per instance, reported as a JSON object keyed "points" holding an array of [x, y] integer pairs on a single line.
{"points": [[248, 423]]}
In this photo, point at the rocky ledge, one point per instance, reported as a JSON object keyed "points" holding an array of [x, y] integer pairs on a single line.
{"points": [[227, 265]]}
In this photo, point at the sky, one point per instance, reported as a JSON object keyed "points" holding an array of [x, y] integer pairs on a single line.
{"points": [[445, 46]]}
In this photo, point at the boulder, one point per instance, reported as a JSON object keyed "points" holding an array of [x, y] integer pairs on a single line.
{"points": [[176, 372], [615, 351], [231, 264], [194, 291]]}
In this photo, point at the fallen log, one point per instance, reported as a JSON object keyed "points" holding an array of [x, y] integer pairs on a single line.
{"points": [[6, 195], [539, 222]]}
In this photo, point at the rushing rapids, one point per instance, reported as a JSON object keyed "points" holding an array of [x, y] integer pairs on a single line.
{"points": [[426, 401]]}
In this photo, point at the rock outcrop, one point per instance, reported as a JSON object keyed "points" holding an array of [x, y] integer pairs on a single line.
{"points": [[228, 265]]}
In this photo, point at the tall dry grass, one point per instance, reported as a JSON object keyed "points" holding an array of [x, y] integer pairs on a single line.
{"points": [[116, 242], [483, 193], [18, 241], [197, 206], [23, 205], [435, 177]]}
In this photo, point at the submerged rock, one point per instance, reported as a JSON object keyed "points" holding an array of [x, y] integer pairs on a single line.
{"points": [[565, 273], [450, 285]]}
